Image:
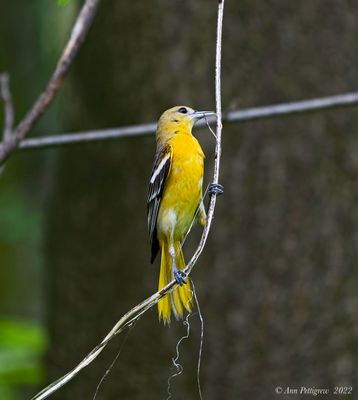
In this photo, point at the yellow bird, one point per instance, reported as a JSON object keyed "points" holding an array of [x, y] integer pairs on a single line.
{"points": [[174, 200]]}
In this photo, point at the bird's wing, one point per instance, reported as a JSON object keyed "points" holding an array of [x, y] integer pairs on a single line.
{"points": [[161, 168]]}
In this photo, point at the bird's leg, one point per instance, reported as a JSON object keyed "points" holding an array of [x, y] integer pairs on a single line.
{"points": [[179, 275], [215, 188]]}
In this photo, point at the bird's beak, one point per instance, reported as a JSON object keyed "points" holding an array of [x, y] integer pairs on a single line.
{"points": [[196, 115]]}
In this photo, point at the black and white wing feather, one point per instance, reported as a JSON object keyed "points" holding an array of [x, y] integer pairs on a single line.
{"points": [[161, 168]]}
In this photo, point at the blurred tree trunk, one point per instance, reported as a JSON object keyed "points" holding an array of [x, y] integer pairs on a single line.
{"points": [[277, 282]]}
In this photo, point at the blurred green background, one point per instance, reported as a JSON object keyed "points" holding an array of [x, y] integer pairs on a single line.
{"points": [[31, 36], [277, 282]]}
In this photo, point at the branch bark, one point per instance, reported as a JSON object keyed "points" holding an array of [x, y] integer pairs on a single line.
{"points": [[69, 53], [5, 94], [136, 312]]}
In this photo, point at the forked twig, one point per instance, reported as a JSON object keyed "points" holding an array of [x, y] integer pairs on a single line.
{"points": [[133, 314], [70, 51]]}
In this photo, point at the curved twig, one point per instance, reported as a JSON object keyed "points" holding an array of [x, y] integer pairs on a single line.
{"points": [[136, 312], [70, 51]]}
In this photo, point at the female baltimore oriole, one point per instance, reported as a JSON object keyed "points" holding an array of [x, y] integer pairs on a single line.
{"points": [[174, 200]]}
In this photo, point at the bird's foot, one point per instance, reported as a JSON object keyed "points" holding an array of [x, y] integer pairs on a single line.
{"points": [[179, 276], [216, 188]]}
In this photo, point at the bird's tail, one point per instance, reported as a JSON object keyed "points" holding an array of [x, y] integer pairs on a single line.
{"points": [[181, 297]]}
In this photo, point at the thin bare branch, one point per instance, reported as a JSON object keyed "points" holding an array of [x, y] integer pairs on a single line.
{"points": [[136, 312], [91, 136], [248, 114], [70, 51], [291, 108], [5, 94], [212, 202]]}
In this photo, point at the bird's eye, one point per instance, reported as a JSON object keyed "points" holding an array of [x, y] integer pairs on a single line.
{"points": [[183, 110]]}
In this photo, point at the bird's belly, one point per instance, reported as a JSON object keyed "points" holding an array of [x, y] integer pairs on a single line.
{"points": [[180, 199]]}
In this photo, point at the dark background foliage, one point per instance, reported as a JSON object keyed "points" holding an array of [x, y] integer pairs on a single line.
{"points": [[277, 282]]}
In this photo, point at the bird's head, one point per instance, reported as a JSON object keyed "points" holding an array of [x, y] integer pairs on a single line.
{"points": [[178, 119]]}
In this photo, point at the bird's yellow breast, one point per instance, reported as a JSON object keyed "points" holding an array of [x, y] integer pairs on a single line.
{"points": [[183, 187]]}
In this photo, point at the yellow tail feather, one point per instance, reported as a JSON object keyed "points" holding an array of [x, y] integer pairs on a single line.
{"points": [[180, 298]]}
